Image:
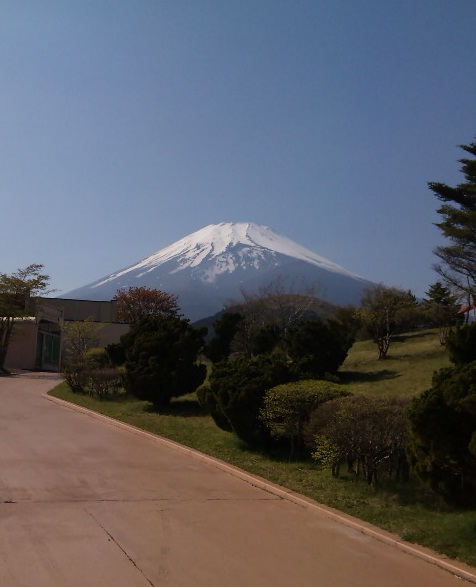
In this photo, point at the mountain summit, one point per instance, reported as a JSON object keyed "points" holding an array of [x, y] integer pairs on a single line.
{"points": [[211, 267]]}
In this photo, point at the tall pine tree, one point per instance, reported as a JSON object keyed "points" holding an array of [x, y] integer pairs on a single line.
{"points": [[458, 212], [442, 309]]}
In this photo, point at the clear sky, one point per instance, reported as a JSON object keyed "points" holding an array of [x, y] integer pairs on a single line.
{"points": [[127, 124]]}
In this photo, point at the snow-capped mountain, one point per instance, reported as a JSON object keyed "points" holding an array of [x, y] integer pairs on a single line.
{"points": [[212, 266]]}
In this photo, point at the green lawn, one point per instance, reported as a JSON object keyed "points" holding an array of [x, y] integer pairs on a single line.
{"points": [[405, 509], [407, 370]]}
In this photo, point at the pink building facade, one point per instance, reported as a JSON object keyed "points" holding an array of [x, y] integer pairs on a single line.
{"points": [[36, 342]]}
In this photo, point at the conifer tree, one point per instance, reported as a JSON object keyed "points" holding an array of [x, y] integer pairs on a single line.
{"points": [[458, 225], [442, 309]]}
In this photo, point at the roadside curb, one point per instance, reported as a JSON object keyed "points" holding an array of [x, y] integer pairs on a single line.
{"points": [[454, 567]]}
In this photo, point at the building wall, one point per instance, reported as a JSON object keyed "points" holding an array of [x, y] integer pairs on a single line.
{"points": [[25, 349], [98, 311], [111, 333], [22, 348]]}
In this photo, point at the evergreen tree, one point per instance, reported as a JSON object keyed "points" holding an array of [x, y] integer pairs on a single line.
{"points": [[442, 449], [442, 309], [461, 344], [318, 347], [235, 391], [225, 327], [458, 225], [161, 359]]}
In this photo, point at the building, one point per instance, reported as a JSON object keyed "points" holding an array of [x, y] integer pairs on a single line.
{"points": [[36, 342]]}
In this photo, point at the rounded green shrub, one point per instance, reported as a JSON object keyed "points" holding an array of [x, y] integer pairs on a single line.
{"points": [[287, 407], [235, 391]]}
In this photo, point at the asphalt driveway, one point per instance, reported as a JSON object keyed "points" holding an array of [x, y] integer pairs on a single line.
{"points": [[85, 502]]}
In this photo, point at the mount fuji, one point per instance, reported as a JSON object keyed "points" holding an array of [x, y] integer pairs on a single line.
{"points": [[211, 267]]}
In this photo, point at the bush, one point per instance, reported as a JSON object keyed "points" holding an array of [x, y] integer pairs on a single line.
{"points": [[161, 359], [219, 347], [442, 450], [97, 358], [79, 368], [234, 394], [461, 344], [318, 347], [104, 381], [75, 374], [287, 407], [367, 434]]}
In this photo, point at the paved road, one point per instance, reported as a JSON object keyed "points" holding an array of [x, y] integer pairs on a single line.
{"points": [[86, 503]]}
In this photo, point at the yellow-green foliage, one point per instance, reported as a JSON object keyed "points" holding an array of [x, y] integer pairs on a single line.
{"points": [[79, 336], [96, 358], [287, 407], [326, 452], [368, 432]]}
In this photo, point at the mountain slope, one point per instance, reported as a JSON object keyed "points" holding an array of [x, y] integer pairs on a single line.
{"points": [[211, 267]]}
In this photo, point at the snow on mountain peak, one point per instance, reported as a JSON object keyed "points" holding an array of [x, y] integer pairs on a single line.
{"points": [[217, 263], [216, 239], [225, 246]]}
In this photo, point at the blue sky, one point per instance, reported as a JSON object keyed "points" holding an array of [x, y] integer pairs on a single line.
{"points": [[126, 125]]}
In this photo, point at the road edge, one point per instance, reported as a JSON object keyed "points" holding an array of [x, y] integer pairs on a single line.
{"points": [[456, 568]]}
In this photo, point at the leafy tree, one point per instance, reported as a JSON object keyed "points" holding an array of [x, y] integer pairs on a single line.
{"points": [[79, 338], [280, 306], [385, 312], [235, 391], [369, 434], [442, 309], [137, 303], [286, 408], [161, 359], [442, 450], [458, 225], [270, 314], [318, 347], [16, 292]]}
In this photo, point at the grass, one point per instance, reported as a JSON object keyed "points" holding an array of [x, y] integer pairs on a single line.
{"points": [[406, 371], [405, 509]]}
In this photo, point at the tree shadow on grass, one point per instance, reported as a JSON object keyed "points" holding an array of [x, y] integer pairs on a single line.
{"points": [[183, 408], [359, 376], [277, 450], [412, 335], [120, 397]]}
